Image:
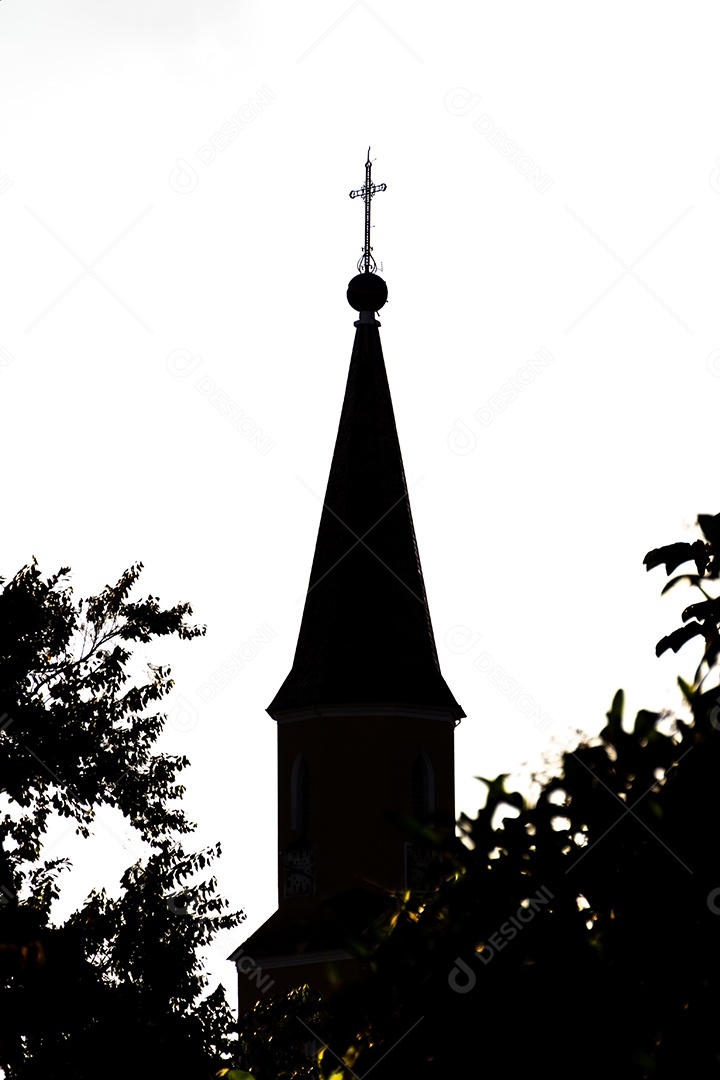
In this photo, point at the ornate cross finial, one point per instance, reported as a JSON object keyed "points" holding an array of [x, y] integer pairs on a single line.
{"points": [[366, 262]]}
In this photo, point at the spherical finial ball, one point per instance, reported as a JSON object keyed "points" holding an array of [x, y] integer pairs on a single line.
{"points": [[367, 292]]}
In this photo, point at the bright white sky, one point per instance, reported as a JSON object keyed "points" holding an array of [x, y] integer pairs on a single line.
{"points": [[149, 261]]}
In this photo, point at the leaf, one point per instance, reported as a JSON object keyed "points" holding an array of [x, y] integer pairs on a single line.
{"points": [[705, 609], [497, 793], [687, 690], [678, 638], [710, 526], [701, 555], [614, 717], [674, 555], [645, 722]]}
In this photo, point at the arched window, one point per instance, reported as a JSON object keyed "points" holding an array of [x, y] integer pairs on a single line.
{"points": [[423, 787], [300, 797]]}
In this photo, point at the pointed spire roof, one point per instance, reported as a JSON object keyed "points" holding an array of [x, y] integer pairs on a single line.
{"points": [[366, 641]]}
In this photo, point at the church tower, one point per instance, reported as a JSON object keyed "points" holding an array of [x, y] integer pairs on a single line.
{"points": [[365, 720]]}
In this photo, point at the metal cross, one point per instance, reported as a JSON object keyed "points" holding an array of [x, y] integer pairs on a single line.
{"points": [[366, 262]]}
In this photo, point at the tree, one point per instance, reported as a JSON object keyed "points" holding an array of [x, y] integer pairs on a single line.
{"points": [[581, 935], [116, 990]]}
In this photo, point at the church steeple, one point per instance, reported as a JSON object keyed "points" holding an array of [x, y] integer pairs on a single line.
{"points": [[365, 720], [366, 641]]}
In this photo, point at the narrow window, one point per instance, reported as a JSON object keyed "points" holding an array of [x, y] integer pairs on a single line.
{"points": [[423, 787], [300, 797]]}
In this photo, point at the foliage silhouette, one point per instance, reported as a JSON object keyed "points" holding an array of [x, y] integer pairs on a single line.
{"points": [[582, 934], [116, 990]]}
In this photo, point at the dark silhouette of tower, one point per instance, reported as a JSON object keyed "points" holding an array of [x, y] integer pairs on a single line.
{"points": [[365, 719]]}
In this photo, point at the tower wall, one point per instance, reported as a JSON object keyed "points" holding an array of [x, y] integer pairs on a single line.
{"points": [[360, 787]]}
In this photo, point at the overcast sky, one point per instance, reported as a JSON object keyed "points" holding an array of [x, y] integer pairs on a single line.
{"points": [[177, 239]]}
